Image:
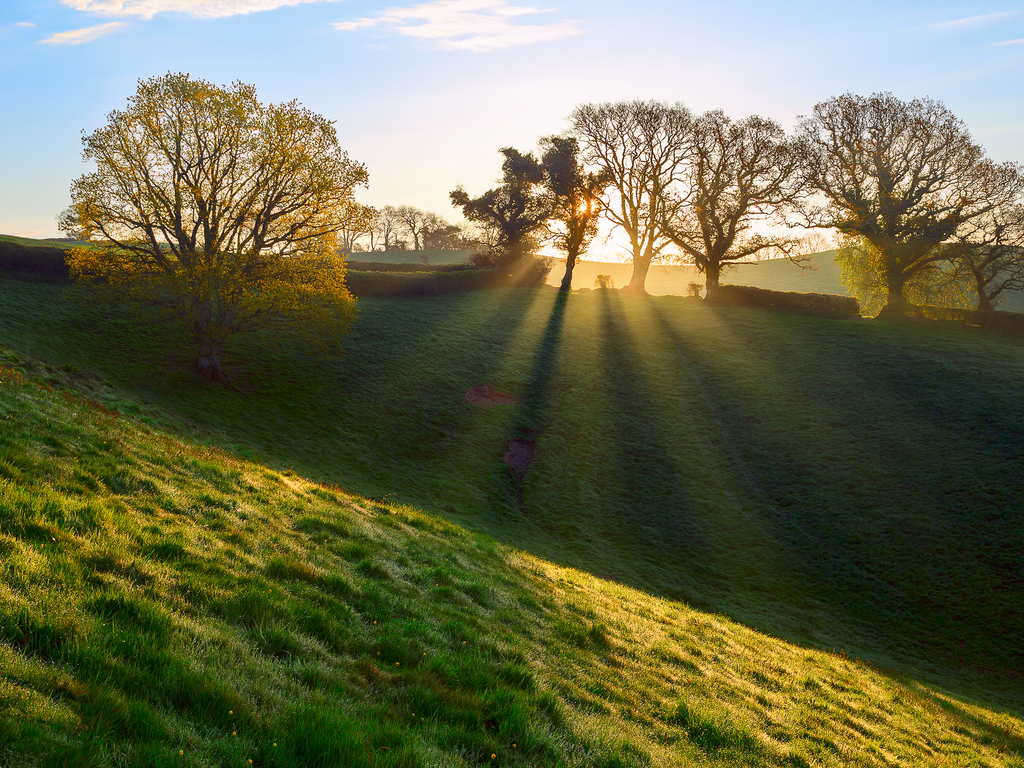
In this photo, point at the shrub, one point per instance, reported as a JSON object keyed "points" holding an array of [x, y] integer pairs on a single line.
{"points": [[604, 282], [824, 304], [693, 289]]}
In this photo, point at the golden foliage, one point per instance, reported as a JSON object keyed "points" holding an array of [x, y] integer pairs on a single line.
{"points": [[220, 208], [863, 273]]}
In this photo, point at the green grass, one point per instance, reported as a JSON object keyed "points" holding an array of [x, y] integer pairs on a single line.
{"points": [[164, 603], [844, 484]]}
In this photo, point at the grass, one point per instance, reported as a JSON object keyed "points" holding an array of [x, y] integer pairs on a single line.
{"points": [[166, 603]]}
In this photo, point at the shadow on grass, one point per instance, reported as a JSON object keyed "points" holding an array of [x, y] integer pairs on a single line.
{"points": [[663, 517], [901, 564], [530, 417]]}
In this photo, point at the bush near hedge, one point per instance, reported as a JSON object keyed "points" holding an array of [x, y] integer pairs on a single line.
{"points": [[824, 304], [424, 283]]}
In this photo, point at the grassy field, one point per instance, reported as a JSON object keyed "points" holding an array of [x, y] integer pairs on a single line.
{"points": [[848, 485], [164, 603]]}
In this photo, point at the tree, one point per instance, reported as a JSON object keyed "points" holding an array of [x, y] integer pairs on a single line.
{"points": [[734, 174], [221, 209], [576, 199], [640, 145], [360, 224], [442, 236], [988, 252], [388, 229], [902, 175], [862, 272], [513, 213], [415, 222]]}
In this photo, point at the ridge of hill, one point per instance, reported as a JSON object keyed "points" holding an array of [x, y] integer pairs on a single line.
{"points": [[164, 602]]}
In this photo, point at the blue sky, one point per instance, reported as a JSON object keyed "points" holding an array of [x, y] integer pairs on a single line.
{"points": [[425, 93]]}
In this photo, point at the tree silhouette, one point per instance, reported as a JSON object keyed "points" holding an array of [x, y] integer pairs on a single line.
{"points": [[902, 175], [576, 199], [735, 173], [513, 213], [640, 145]]}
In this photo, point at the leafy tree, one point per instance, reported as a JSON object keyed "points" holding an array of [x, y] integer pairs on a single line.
{"points": [[442, 236], [576, 199], [735, 173], [862, 272], [640, 145], [903, 176], [221, 209], [513, 214]]}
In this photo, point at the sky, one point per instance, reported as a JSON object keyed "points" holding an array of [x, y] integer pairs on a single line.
{"points": [[426, 93]]}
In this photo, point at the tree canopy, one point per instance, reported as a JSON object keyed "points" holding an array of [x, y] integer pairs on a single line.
{"points": [[640, 145], [576, 199], [903, 176], [512, 215], [734, 173], [222, 209]]}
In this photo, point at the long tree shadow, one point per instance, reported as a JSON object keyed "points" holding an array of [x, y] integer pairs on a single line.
{"points": [[530, 416], [893, 559]]}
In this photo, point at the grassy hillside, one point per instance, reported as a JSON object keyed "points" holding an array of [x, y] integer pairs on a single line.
{"points": [[841, 484], [163, 603]]}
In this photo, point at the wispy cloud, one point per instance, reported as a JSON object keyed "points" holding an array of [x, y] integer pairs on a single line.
{"points": [[1010, 42], [146, 9], [467, 25], [86, 35], [24, 24], [974, 21]]}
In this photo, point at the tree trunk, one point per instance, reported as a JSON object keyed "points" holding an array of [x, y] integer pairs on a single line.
{"points": [[570, 264], [895, 303], [209, 366], [712, 273], [637, 280]]}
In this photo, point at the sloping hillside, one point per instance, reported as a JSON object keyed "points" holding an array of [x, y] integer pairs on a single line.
{"points": [[165, 603]]}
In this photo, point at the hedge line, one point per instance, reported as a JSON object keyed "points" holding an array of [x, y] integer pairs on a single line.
{"points": [[416, 283], [1010, 322], [824, 304], [387, 266], [44, 261]]}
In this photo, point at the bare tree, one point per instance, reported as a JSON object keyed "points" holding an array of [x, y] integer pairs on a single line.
{"points": [[735, 174], [576, 199], [388, 229], [415, 222], [640, 145], [902, 175], [989, 251], [360, 225]]}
